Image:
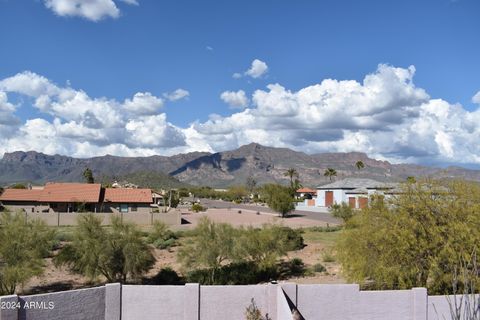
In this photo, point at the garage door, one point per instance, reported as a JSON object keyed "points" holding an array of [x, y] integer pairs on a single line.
{"points": [[328, 198], [351, 202], [362, 202]]}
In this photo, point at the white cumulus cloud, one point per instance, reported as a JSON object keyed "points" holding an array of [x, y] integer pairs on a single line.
{"points": [[94, 10], [134, 126], [257, 69], [385, 115], [143, 103], [476, 98], [177, 94], [235, 99]]}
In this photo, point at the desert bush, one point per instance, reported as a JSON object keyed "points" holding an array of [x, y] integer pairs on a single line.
{"points": [[416, 238], [210, 247], [23, 245], [235, 273], [328, 228], [161, 236], [318, 267], [166, 276], [293, 268], [294, 238], [262, 246], [341, 211], [278, 198], [197, 207], [116, 253]]}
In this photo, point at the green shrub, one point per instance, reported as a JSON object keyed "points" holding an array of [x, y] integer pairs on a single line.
{"points": [[342, 211], [237, 273], [118, 252], [166, 276], [197, 207], [297, 267], [328, 228], [63, 236], [164, 244], [294, 238], [161, 236], [318, 267]]}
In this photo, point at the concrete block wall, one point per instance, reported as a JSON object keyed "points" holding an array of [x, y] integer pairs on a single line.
{"points": [[172, 218], [195, 302], [67, 305]]}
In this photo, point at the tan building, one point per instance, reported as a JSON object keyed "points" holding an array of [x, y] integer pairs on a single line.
{"points": [[128, 200], [77, 197]]}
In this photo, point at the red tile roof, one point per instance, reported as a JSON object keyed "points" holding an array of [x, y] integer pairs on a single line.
{"points": [[118, 195], [306, 190], [20, 195], [71, 192]]}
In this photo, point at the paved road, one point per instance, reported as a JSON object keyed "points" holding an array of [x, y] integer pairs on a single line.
{"points": [[319, 216]]}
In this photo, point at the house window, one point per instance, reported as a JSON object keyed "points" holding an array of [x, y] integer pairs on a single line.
{"points": [[124, 208], [134, 208]]}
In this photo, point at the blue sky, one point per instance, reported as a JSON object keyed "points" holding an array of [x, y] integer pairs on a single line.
{"points": [[161, 46]]}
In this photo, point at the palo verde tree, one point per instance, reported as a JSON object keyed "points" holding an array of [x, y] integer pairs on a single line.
{"points": [[23, 246], [278, 198], [118, 252], [211, 246], [262, 246], [415, 239]]}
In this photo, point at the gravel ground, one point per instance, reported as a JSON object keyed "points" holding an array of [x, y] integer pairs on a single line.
{"points": [[249, 217]]}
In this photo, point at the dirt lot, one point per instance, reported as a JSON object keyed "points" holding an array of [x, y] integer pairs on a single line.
{"points": [[248, 217]]}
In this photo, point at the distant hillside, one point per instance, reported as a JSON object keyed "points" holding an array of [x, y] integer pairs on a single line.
{"points": [[220, 169]]}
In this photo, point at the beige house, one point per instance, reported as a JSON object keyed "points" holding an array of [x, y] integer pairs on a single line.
{"points": [[121, 200]]}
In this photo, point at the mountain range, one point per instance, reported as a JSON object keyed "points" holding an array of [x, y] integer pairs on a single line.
{"points": [[222, 169]]}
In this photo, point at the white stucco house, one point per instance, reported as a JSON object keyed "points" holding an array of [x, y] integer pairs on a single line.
{"points": [[356, 192]]}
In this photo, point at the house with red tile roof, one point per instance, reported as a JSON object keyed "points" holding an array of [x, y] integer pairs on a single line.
{"points": [[127, 200], [77, 197], [305, 192]]}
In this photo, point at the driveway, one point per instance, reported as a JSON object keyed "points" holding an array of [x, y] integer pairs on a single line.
{"points": [[318, 216]]}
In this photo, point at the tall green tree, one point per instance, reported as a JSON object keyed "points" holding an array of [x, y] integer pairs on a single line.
{"points": [[117, 253], [330, 173], [88, 176], [278, 198], [23, 247], [415, 239], [359, 165], [211, 247]]}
